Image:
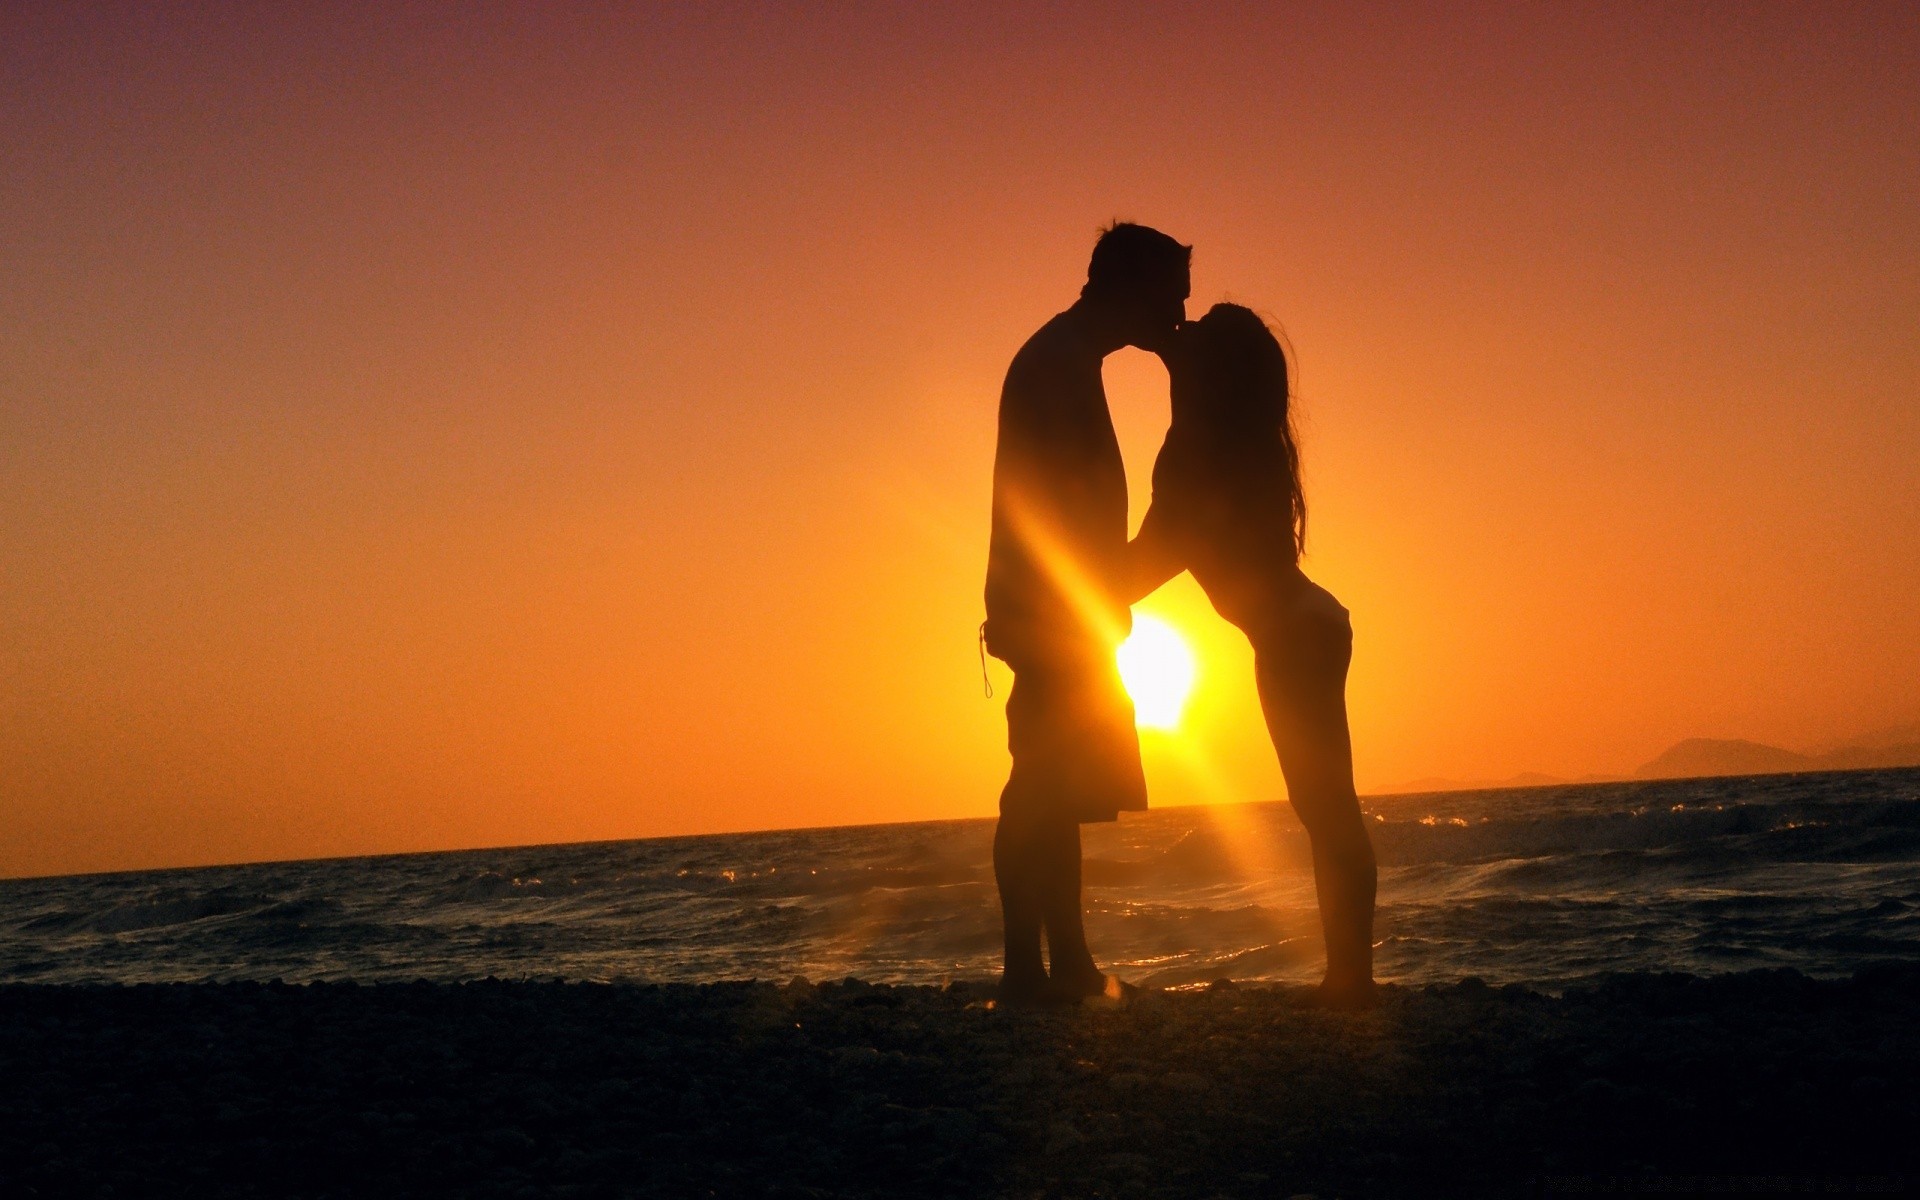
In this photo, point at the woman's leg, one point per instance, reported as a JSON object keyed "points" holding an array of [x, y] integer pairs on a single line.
{"points": [[1300, 665]]}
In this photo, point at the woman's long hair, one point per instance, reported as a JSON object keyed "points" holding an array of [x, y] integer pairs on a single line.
{"points": [[1242, 377]]}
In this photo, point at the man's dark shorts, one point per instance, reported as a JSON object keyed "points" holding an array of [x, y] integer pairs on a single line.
{"points": [[1075, 750]]}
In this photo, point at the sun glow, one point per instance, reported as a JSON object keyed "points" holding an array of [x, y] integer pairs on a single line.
{"points": [[1157, 668]]}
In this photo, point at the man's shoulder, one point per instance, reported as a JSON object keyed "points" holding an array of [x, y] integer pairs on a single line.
{"points": [[1057, 355]]}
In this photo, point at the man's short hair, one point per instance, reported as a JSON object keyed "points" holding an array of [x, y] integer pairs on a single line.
{"points": [[1128, 257]]}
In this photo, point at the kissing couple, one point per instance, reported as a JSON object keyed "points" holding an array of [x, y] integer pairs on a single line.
{"points": [[1062, 578]]}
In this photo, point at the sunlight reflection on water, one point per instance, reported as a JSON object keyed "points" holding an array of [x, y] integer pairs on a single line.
{"points": [[1818, 872]]}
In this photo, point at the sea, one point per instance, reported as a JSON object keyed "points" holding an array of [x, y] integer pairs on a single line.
{"points": [[1543, 885]]}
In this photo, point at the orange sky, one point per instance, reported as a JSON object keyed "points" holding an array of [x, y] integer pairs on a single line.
{"points": [[423, 430]]}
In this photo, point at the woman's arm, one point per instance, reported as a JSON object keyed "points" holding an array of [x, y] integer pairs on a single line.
{"points": [[1159, 551], [1154, 555]]}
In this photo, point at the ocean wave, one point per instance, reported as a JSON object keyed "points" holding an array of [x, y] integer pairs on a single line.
{"points": [[1819, 873], [1872, 831], [492, 885], [158, 911]]}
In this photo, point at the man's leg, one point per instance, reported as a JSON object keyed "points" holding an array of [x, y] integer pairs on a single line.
{"points": [[1015, 870], [1072, 971]]}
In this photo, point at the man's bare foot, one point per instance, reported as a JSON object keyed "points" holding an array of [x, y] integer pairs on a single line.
{"points": [[1021, 990], [1346, 995]]}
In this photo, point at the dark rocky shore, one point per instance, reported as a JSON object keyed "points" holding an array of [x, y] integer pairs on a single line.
{"points": [[1666, 1084]]}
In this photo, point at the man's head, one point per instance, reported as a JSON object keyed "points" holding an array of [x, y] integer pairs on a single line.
{"points": [[1140, 277]]}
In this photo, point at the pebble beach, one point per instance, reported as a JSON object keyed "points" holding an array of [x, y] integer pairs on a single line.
{"points": [[1672, 1084]]}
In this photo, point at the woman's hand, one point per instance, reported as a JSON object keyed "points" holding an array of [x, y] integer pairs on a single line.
{"points": [[1151, 558]]}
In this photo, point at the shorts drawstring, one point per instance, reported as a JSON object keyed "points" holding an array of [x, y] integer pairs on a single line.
{"points": [[985, 680]]}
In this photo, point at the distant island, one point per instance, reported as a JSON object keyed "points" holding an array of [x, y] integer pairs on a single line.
{"points": [[1898, 746]]}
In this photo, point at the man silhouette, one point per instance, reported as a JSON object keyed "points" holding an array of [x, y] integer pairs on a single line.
{"points": [[1057, 604]]}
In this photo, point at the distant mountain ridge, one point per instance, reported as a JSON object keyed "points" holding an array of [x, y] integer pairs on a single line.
{"points": [[1734, 756], [1723, 756], [1898, 746]]}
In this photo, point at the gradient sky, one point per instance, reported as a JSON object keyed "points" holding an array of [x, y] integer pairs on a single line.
{"points": [[432, 426]]}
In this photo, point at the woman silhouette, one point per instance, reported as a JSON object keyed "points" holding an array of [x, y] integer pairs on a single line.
{"points": [[1227, 505]]}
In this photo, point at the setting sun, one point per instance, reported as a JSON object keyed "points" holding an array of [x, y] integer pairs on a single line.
{"points": [[1157, 668]]}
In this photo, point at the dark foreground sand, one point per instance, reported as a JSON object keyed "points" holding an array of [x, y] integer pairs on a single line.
{"points": [[1667, 1084]]}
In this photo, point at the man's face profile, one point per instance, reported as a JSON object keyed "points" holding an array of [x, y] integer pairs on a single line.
{"points": [[1176, 305], [1162, 308]]}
